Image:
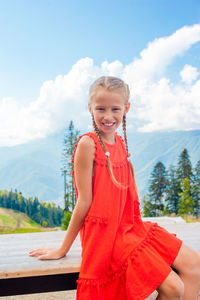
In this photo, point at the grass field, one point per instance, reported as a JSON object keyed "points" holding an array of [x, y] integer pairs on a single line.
{"points": [[12, 221]]}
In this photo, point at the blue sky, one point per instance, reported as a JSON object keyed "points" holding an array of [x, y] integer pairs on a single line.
{"points": [[42, 40]]}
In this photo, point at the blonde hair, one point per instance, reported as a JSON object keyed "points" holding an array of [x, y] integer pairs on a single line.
{"points": [[109, 83], [112, 84]]}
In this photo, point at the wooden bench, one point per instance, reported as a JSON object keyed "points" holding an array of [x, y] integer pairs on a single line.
{"points": [[21, 274]]}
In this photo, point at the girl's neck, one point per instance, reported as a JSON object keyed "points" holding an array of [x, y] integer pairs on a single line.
{"points": [[109, 138]]}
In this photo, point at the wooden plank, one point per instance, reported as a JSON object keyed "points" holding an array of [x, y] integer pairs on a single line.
{"points": [[188, 232], [16, 262]]}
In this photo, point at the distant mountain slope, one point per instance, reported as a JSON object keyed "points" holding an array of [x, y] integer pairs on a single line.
{"points": [[12, 221], [34, 168]]}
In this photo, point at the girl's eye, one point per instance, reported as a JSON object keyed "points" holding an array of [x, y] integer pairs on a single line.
{"points": [[114, 109]]}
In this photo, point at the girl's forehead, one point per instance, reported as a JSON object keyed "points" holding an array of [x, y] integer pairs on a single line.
{"points": [[103, 96]]}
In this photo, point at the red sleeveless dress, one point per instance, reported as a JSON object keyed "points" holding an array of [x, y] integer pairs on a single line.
{"points": [[123, 257]]}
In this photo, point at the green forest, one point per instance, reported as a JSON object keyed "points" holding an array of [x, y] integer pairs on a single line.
{"points": [[175, 190], [43, 213]]}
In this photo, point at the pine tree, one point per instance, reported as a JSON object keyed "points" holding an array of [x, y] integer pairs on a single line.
{"points": [[186, 204], [172, 190], [66, 220], [196, 189], [70, 139], [158, 183], [148, 209], [184, 169]]}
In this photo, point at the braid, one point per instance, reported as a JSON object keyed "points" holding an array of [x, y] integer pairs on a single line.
{"points": [[96, 129], [124, 133], [126, 144]]}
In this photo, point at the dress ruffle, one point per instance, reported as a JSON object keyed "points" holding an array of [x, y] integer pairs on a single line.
{"points": [[103, 162], [141, 271], [95, 219], [133, 255]]}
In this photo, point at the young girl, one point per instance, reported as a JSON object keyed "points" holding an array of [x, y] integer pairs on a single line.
{"points": [[123, 258]]}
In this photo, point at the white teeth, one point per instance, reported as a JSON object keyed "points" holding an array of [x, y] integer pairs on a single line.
{"points": [[108, 124]]}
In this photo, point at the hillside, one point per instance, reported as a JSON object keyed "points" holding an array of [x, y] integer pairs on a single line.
{"points": [[16, 222], [34, 168]]}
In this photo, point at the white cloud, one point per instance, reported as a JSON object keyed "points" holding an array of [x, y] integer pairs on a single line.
{"points": [[169, 107], [157, 104], [159, 54], [113, 69], [59, 101], [189, 74]]}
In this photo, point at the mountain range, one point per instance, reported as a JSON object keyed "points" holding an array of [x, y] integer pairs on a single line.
{"points": [[34, 168]]}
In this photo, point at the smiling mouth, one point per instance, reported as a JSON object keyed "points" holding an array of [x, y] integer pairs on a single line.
{"points": [[108, 124]]}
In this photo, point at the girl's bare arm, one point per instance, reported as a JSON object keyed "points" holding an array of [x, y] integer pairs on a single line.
{"points": [[83, 168]]}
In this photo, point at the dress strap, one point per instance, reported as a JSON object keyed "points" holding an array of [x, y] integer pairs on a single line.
{"points": [[99, 153], [124, 146]]}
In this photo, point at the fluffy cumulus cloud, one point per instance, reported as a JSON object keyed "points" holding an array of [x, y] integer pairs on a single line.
{"points": [[189, 74], [157, 103]]}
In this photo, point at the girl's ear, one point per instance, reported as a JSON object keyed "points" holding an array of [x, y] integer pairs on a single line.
{"points": [[89, 107], [127, 107]]}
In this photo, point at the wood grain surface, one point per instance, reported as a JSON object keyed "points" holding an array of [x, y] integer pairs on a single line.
{"points": [[16, 262]]}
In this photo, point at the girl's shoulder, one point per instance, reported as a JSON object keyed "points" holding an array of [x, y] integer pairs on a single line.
{"points": [[86, 143], [88, 139], [84, 150], [89, 142]]}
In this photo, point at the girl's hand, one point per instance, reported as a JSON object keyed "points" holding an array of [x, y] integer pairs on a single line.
{"points": [[47, 253]]}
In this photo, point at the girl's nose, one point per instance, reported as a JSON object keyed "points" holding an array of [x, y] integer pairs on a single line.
{"points": [[108, 117]]}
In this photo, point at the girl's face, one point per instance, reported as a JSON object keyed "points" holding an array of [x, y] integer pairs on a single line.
{"points": [[108, 108]]}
